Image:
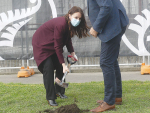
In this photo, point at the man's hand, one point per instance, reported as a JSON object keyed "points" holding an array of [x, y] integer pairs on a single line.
{"points": [[93, 32]]}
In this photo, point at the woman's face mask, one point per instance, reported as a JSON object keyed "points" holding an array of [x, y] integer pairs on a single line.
{"points": [[75, 19], [75, 22]]}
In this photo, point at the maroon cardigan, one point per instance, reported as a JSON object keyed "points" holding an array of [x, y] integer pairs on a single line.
{"points": [[50, 38]]}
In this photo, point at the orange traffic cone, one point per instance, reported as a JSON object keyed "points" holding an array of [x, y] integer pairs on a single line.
{"points": [[23, 73], [31, 70], [145, 69]]}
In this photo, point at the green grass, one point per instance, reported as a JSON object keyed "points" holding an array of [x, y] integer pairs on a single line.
{"points": [[27, 98]]}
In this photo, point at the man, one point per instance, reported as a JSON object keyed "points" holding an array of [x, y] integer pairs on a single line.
{"points": [[109, 21]]}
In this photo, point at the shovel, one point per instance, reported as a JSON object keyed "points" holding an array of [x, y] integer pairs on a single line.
{"points": [[62, 82]]}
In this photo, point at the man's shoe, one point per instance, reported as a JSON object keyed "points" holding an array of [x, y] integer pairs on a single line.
{"points": [[100, 101], [52, 103], [103, 107], [61, 95], [118, 101]]}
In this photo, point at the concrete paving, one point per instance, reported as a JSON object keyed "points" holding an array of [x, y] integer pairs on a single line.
{"points": [[73, 78]]}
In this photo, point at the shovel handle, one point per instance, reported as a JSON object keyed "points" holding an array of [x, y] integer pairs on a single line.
{"points": [[68, 57], [65, 73], [69, 64], [64, 76]]}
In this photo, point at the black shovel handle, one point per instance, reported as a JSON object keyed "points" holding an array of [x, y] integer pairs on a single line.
{"points": [[69, 56]]}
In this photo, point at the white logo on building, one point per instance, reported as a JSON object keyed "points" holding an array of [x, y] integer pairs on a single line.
{"points": [[140, 29], [18, 14]]}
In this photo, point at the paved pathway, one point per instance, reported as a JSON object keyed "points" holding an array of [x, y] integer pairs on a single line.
{"points": [[72, 78]]}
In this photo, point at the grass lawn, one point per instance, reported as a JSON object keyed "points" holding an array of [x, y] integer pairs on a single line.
{"points": [[27, 98]]}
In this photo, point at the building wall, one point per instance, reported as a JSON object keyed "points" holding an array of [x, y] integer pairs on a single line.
{"points": [[132, 7]]}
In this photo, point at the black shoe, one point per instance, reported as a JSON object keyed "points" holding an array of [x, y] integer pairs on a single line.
{"points": [[52, 103], [61, 96], [64, 96]]}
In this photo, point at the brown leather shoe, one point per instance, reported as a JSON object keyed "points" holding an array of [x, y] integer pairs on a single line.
{"points": [[103, 107], [118, 101], [100, 101]]}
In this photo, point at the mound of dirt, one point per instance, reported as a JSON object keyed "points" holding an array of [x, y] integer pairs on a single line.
{"points": [[73, 108]]}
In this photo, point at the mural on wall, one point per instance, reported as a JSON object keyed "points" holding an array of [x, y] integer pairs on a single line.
{"points": [[18, 24], [6, 18], [141, 30], [13, 16]]}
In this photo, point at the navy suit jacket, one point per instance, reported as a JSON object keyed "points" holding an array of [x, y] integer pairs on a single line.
{"points": [[107, 17]]}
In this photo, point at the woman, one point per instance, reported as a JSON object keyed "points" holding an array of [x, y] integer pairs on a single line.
{"points": [[48, 42]]}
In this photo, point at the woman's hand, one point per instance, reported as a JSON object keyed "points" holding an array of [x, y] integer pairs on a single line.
{"points": [[74, 56], [73, 53], [65, 68]]}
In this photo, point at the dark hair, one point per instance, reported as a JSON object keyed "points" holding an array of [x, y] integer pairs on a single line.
{"points": [[82, 29]]}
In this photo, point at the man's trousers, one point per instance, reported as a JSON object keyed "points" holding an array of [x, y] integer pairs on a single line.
{"points": [[111, 71]]}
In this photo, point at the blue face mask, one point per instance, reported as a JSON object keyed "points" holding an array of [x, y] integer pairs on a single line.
{"points": [[75, 22]]}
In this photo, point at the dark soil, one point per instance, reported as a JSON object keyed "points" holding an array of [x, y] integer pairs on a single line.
{"points": [[73, 108]]}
